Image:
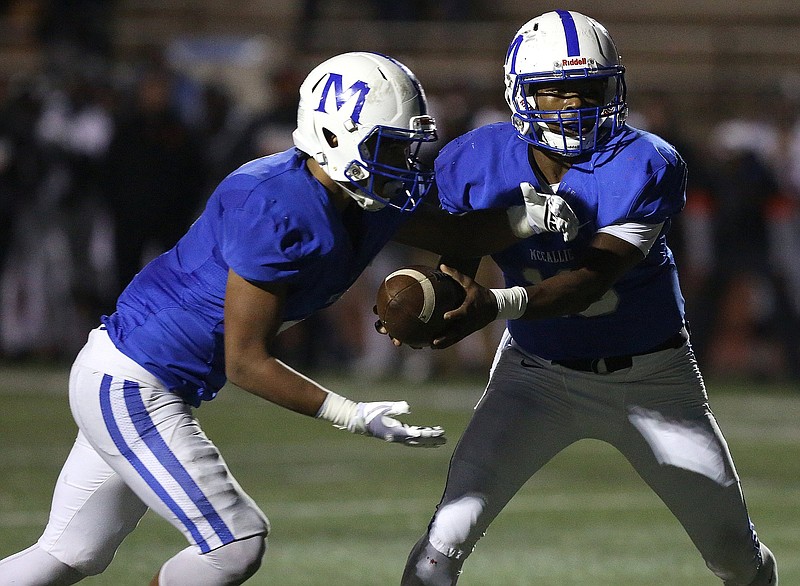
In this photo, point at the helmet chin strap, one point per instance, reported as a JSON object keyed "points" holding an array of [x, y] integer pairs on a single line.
{"points": [[364, 201], [389, 190]]}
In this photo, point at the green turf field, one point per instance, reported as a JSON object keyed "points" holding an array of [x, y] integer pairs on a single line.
{"points": [[345, 510]]}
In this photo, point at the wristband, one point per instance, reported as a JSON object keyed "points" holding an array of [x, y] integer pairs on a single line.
{"points": [[511, 303], [338, 410]]}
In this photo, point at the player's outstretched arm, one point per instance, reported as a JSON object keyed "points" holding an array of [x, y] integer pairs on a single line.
{"points": [[482, 232], [252, 320], [473, 234]]}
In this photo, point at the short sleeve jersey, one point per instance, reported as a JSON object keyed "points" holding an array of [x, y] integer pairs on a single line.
{"points": [[269, 221], [635, 177]]}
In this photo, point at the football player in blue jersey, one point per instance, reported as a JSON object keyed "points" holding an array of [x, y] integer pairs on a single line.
{"points": [[596, 345], [281, 237]]}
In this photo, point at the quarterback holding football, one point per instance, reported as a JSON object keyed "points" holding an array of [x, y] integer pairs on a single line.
{"points": [[596, 344]]}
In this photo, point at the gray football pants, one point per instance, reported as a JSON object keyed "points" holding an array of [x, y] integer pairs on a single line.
{"points": [[655, 413]]}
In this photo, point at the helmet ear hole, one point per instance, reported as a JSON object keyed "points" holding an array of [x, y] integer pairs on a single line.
{"points": [[330, 138]]}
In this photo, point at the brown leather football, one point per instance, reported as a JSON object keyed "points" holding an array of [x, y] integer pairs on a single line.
{"points": [[412, 302]]}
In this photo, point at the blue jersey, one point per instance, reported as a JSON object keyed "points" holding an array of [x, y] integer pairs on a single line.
{"points": [[269, 221], [635, 177]]}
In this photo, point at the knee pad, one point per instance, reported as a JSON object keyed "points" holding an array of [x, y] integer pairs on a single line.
{"points": [[230, 564], [453, 531], [240, 559]]}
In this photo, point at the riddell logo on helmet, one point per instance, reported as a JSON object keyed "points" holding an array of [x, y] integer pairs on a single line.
{"points": [[576, 61]]}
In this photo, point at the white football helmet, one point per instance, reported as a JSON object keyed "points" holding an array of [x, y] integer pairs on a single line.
{"points": [[363, 117], [562, 46]]}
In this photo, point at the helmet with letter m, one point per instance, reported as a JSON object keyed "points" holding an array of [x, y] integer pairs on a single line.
{"points": [[558, 48], [364, 117]]}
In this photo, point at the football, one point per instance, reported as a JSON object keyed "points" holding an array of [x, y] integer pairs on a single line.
{"points": [[412, 301]]}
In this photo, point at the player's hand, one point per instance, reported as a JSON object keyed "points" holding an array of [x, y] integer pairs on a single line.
{"points": [[543, 213], [378, 420], [381, 329], [478, 310]]}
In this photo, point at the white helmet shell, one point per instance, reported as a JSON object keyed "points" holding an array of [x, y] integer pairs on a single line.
{"points": [[354, 97], [561, 46]]}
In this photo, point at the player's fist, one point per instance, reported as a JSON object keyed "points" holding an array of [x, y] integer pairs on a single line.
{"points": [[477, 311], [542, 213]]}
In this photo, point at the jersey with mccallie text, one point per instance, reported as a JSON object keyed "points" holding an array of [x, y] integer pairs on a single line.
{"points": [[636, 177], [269, 221]]}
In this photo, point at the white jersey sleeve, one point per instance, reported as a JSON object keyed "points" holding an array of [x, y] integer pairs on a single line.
{"points": [[642, 236]]}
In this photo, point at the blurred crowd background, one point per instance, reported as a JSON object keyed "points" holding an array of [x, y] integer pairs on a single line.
{"points": [[119, 117]]}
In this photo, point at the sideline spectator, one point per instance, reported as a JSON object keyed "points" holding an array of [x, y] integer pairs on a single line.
{"points": [[155, 176], [52, 281], [749, 308], [221, 128]]}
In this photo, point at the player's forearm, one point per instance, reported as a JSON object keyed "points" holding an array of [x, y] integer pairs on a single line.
{"points": [[276, 382], [565, 294], [571, 292], [549, 299], [472, 234], [478, 233], [466, 266], [271, 379]]}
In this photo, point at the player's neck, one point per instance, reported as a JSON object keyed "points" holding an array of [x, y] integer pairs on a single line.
{"points": [[551, 167], [338, 195]]}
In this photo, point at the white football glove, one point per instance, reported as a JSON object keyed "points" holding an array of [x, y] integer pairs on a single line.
{"points": [[542, 213], [376, 420]]}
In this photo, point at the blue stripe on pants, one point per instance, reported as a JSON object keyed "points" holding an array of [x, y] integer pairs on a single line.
{"points": [[149, 434]]}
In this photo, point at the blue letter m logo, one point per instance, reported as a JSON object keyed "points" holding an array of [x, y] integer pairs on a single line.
{"points": [[343, 96], [511, 54]]}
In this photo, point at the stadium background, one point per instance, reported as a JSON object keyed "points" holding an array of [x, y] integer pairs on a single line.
{"points": [[719, 78]]}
